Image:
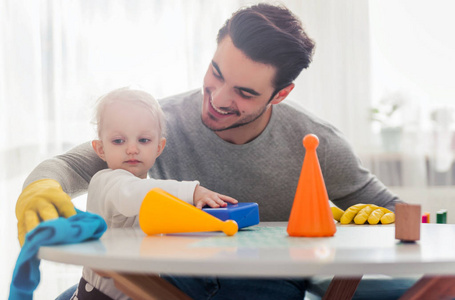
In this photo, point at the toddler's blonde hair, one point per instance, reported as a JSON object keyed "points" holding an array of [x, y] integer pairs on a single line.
{"points": [[133, 96]]}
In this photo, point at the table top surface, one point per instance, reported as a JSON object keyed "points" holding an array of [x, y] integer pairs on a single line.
{"points": [[266, 250]]}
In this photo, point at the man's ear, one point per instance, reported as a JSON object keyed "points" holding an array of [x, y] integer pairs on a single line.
{"points": [[161, 146], [98, 147], [282, 94]]}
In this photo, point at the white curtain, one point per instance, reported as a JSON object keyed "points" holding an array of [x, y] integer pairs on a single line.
{"points": [[336, 86]]}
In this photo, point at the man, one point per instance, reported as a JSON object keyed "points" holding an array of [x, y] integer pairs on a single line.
{"points": [[237, 138]]}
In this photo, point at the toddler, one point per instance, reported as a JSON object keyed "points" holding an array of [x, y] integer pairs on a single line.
{"points": [[131, 128]]}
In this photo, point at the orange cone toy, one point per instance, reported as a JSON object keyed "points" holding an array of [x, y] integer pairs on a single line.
{"points": [[161, 212], [311, 215]]}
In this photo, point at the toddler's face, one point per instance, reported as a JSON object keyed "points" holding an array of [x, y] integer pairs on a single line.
{"points": [[130, 138]]}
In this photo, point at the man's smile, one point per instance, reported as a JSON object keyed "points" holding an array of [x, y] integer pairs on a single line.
{"points": [[218, 110]]}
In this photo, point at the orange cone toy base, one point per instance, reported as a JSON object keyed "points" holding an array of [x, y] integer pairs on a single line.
{"points": [[161, 212], [311, 215]]}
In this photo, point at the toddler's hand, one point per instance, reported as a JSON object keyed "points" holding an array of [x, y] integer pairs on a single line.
{"points": [[203, 197]]}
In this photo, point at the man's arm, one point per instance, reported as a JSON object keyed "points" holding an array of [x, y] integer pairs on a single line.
{"points": [[348, 182], [45, 193], [73, 170]]}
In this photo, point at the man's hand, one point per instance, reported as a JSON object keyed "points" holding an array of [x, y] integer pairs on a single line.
{"points": [[42, 200], [361, 213], [203, 197]]}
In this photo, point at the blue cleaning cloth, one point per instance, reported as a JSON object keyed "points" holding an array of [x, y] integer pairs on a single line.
{"points": [[78, 228]]}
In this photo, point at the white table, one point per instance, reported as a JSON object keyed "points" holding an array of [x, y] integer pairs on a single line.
{"points": [[266, 251]]}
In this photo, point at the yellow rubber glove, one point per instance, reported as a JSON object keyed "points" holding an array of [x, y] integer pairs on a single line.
{"points": [[337, 213], [361, 213], [40, 201]]}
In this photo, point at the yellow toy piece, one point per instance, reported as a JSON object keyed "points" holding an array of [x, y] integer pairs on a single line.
{"points": [[361, 213], [41, 200], [161, 212]]}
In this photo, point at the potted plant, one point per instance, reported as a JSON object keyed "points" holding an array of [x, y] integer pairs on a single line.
{"points": [[388, 113]]}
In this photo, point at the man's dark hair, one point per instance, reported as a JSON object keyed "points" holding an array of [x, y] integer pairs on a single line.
{"points": [[272, 35]]}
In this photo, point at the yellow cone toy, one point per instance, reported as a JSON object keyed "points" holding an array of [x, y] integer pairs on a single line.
{"points": [[161, 212]]}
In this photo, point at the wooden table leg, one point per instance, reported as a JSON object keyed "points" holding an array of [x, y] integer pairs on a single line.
{"points": [[342, 288], [431, 287], [145, 286]]}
